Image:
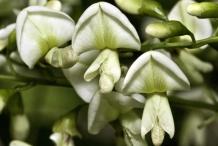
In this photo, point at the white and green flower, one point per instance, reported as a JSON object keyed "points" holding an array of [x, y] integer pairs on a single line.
{"points": [[155, 74], [103, 27], [39, 29]]}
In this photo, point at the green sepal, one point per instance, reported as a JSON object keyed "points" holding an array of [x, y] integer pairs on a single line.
{"points": [[168, 29], [154, 9], [203, 10]]}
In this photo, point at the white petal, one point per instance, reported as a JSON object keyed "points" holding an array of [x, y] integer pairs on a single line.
{"points": [[154, 72], [4, 33], [107, 62], [150, 114], [101, 26], [100, 112], [75, 76], [39, 29], [165, 116], [201, 28], [133, 139], [122, 103], [131, 122]]}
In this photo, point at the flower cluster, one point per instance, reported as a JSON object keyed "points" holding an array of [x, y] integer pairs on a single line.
{"points": [[103, 59]]}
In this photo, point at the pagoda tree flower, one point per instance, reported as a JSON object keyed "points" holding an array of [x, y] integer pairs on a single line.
{"points": [[155, 74], [103, 27], [38, 30], [4, 35]]}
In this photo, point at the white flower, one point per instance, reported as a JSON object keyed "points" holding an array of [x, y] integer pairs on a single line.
{"points": [[103, 27], [39, 29], [155, 74]]}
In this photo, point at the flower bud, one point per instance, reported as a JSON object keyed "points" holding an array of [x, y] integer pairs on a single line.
{"points": [[61, 58], [168, 29], [54, 4], [19, 126], [154, 9], [129, 6], [203, 10], [18, 143]]}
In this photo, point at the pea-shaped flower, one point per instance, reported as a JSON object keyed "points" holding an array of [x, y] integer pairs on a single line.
{"points": [[39, 29], [155, 74], [103, 27]]}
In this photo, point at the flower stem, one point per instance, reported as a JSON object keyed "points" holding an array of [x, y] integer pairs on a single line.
{"points": [[208, 121], [37, 81], [196, 104], [190, 45]]}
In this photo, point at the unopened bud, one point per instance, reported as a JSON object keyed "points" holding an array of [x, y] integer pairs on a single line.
{"points": [[168, 29], [203, 10], [54, 4], [154, 9], [61, 58], [129, 6]]}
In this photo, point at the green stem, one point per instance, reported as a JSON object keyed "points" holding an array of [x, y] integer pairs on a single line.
{"points": [[196, 104], [190, 45], [208, 121], [37, 81]]}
